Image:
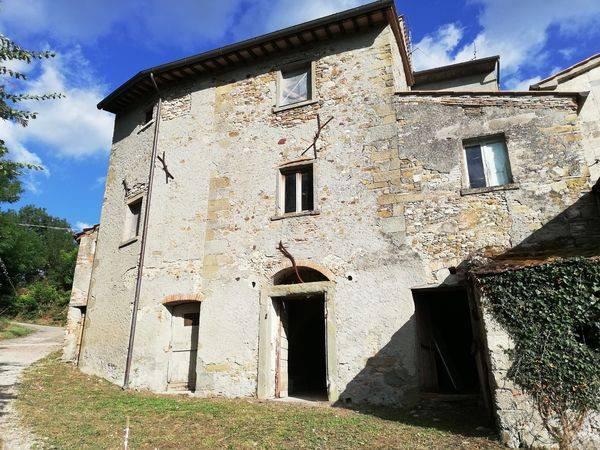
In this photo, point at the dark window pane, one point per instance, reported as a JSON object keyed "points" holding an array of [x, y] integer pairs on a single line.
{"points": [[135, 209], [149, 114], [191, 319], [475, 166], [307, 189], [290, 192]]}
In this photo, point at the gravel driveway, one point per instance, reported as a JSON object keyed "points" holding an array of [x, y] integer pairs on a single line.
{"points": [[16, 355]]}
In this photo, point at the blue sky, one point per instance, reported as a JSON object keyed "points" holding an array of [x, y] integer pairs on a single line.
{"points": [[100, 44]]}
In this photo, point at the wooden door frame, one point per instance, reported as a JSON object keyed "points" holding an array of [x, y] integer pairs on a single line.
{"points": [[267, 336], [477, 330]]}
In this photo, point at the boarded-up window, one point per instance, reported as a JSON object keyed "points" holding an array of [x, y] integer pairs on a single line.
{"points": [[297, 189], [488, 164], [294, 86]]}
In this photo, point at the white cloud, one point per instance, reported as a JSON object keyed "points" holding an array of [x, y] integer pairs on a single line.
{"points": [[79, 226], [190, 24], [516, 30], [436, 49], [566, 53], [69, 126], [516, 84]]}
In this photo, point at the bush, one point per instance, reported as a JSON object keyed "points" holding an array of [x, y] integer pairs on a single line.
{"points": [[42, 299]]}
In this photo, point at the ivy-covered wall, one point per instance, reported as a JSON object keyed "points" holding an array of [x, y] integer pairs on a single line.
{"points": [[543, 335]]}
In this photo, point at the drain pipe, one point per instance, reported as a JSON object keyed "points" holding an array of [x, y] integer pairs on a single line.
{"points": [[138, 282]]}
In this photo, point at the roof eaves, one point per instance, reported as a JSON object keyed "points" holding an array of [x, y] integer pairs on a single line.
{"points": [[473, 63], [340, 16]]}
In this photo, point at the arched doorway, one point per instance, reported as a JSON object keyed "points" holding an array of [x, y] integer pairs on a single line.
{"points": [[296, 344]]}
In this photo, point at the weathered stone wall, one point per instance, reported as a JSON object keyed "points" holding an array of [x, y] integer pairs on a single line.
{"points": [[79, 293], [424, 196], [519, 423], [422, 185], [211, 232], [589, 81], [392, 213]]}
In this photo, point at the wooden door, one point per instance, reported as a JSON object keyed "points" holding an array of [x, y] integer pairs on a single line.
{"points": [[184, 346]]}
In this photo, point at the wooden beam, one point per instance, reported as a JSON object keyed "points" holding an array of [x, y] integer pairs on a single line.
{"points": [[207, 66], [253, 53], [289, 42], [230, 60]]}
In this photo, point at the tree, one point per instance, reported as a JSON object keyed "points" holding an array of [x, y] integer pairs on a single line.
{"points": [[10, 171], [39, 254]]}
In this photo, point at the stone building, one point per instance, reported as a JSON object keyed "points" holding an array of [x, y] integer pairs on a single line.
{"points": [[292, 215]]}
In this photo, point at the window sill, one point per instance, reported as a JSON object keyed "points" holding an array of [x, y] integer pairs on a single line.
{"points": [[128, 242], [314, 212], [277, 109], [145, 126], [485, 189]]}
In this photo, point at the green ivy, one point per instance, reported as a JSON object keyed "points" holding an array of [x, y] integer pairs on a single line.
{"points": [[552, 313]]}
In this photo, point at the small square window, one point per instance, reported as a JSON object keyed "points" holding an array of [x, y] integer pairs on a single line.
{"points": [[132, 220], [487, 163], [296, 188], [148, 115], [295, 85]]}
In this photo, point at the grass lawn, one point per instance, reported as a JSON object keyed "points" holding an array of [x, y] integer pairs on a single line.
{"points": [[10, 330], [70, 410]]}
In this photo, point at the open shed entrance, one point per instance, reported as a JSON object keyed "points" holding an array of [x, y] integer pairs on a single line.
{"points": [[301, 369], [447, 343]]}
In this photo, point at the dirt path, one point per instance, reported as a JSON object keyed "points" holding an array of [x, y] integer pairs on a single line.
{"points": [[16, 355]]}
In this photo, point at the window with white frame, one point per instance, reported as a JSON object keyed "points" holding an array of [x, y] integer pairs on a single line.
{"points": [[132, 219], [487, 163], [296, 189], [295, 85]]}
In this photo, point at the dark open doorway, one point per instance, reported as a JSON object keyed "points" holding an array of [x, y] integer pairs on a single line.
{"points": [[301, 366], [447, 346]]}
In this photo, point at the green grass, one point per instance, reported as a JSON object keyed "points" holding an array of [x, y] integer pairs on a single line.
{"points": [[10, 330], [70, 410]]}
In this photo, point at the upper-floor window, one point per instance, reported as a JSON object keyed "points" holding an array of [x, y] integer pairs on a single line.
{"points": [[148, 115], [487, 163], [132, 219], [296, 189], [295, 85]]}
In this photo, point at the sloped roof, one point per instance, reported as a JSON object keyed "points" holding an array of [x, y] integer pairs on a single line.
{"points": [[248, 51], [568, 73], [451, 71]]}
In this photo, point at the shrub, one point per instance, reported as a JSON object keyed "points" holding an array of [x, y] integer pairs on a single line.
{"points": [[41, 298]]}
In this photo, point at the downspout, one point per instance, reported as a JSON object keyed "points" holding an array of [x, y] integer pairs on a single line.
{"points": [[138, 282]]}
